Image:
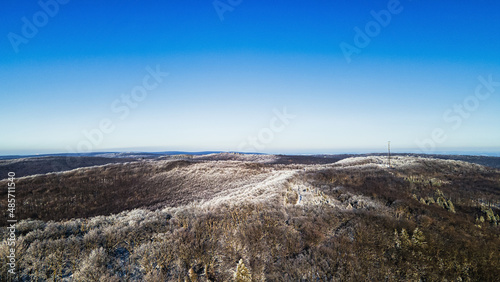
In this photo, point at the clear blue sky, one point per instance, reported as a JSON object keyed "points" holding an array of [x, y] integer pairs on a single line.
{"points": [[65, 68]]}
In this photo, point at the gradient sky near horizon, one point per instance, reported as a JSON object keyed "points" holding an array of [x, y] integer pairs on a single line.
{"points": [[228, 77]]}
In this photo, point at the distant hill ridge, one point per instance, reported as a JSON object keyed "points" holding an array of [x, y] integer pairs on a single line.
{"points": [[41, 164]]}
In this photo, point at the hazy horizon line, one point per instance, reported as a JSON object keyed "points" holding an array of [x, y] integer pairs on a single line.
{"points": [[450, 151]]}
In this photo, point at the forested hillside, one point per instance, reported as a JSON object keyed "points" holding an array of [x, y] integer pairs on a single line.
{"points": [[227, 217]]}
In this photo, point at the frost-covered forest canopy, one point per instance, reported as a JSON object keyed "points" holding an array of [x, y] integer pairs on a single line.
{"points": [[233, 217]]}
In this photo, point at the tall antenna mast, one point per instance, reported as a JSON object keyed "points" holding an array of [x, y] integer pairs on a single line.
{"points": [[389, 151]]}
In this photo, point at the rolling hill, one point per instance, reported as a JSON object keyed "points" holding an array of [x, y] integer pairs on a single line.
{"points": [[291, 218]]}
